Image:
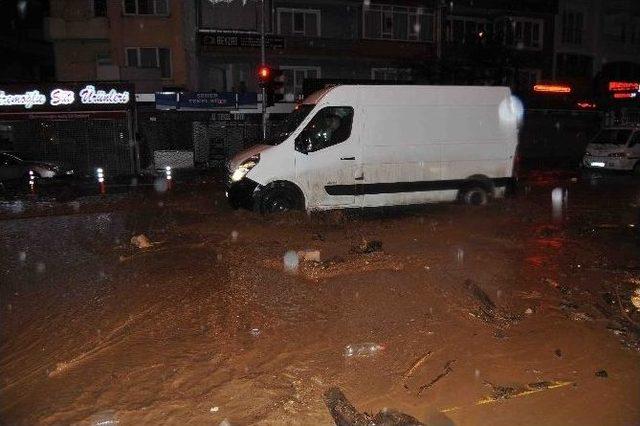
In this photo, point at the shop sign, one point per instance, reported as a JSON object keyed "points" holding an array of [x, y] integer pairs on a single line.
{"points": [[245, 40], [209, 101], [85, 96]]}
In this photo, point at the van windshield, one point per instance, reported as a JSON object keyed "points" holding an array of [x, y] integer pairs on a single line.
{"points": [[612, 137], [291, 123]]}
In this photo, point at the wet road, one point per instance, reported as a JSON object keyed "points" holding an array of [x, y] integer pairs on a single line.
{"points": [[498, 315]]}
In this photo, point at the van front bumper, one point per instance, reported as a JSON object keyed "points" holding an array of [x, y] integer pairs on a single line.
{"points": [[241, 193]]}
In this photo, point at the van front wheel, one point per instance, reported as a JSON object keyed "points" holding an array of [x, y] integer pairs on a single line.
{"points": [[474, 196], [278, 200]]}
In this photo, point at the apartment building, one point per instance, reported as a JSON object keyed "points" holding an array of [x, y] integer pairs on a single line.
{"points": [[337, 39], [145, 42]]}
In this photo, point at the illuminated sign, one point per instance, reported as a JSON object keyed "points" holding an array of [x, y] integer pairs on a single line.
{"points": [[89, 95], [552, 88], [26, 99], [624, 95], [66, 96], [61, 97], [586, 105], [624, 86]]}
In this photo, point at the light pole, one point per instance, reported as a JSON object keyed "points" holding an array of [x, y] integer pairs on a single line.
{"points": [[263, 63]]}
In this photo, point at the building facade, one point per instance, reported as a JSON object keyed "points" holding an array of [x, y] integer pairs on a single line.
{"points": [[26, 55], [497, 42], [597, 39], [329, 39], [145, 42]]}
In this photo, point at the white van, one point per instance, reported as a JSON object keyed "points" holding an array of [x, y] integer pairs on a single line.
{"points": [[369, 146], [614, 148]]}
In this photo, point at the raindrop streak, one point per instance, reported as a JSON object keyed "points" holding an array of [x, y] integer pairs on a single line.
{"points": [[291, 261], [22, 256], [559, 198], [234, 236], [460, 256], [161, 185]]}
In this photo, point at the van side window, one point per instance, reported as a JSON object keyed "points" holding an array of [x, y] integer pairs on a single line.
{"points": [[330, 126], [635, 140]]}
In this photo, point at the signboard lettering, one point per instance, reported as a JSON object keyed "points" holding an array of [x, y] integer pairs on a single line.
{"points": [[89, 95], [62, 97], [225, 39], [27, 99]]}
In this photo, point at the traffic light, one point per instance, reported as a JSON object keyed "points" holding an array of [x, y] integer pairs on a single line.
{"points": [[272, 80], [264, 76]]}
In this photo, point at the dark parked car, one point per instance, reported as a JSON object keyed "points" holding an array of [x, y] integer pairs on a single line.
{"points": [[13, 168]]}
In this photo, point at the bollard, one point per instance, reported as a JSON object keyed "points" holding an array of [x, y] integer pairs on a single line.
{"points": [[167, 171], [32, 182], [100, 176]]}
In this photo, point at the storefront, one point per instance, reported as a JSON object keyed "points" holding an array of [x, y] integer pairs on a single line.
{"points": [[83, 125]]}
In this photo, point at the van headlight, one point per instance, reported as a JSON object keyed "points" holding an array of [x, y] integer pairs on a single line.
{"points": [[241, 171]]}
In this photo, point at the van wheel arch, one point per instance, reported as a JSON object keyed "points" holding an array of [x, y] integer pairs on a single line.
{"points": [[476, 190], [279, 195]]}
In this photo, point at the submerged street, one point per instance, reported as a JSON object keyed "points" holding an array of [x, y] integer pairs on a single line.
{"points": [[519, 312]]}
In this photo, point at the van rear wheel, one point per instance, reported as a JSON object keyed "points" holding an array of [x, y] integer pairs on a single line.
{"points": [[475, 196]]}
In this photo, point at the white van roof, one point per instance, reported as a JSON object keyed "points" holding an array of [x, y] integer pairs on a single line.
{"points": [[409, 95]]}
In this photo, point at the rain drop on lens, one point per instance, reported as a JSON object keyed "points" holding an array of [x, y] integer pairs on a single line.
{"points": [[291, 261]]}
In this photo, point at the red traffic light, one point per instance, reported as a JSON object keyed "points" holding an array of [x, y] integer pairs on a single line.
{"points": [[263, 73]]}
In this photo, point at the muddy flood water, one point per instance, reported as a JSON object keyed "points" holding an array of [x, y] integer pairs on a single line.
{"points": [[519, 312]]}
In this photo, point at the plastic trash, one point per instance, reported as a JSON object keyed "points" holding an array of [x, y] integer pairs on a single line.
{"points": [[635, 298], [141, 241], [309, 255], [362, 349]]}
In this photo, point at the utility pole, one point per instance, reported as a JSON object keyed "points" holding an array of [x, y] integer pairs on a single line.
{"points": [[263, 62]]}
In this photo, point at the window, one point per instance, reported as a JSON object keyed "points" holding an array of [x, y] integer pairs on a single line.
{"points": [[146, 7], [302, 22], [612, 137], [99, 8], [103, 58], [574, 66], [614, 27], [572, 27], [462, 30], [392, 74], [294, 78], [521, 33], [150, 57], [330, 126], [527, 78], [397, 23], [635, 140]]}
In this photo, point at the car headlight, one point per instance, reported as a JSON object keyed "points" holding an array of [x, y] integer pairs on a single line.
{"points": [[617, 154], [241, 171], [69, 172]]}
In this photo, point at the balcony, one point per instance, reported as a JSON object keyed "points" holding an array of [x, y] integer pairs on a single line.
{"points": [[89, 29]]}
